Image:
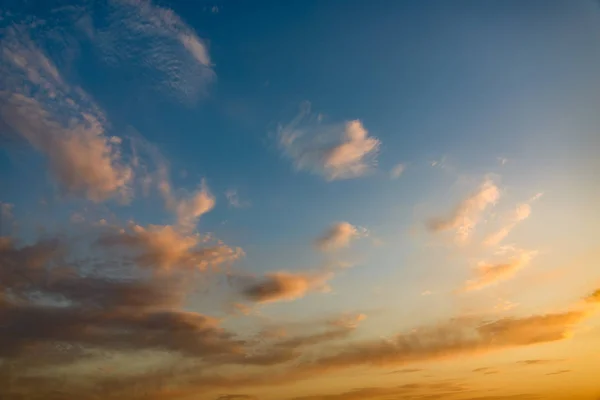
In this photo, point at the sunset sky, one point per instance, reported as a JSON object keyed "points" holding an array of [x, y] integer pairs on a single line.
{"points": [[299, 200]]}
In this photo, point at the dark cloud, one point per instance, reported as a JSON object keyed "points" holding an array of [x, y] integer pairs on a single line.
{"points": [[563, 371], [284, 286]]}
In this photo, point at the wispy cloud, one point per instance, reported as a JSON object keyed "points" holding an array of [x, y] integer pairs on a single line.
{"points": [[234, 200], [520, 213], [409, 390], [339, 235], [60, 121], [397, 170], [468, 213], [487, 274], [539, 362], [139, 34], [335, 151], [562, 371]]}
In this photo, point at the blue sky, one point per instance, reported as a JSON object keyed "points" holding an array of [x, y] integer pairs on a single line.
{"points": [[401, 162]]}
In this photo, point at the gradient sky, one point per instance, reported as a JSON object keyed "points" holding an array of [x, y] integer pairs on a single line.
{"points": [[336, 200]]}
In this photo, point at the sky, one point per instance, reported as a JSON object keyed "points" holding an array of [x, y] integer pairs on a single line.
{"points": [[299, 200]]}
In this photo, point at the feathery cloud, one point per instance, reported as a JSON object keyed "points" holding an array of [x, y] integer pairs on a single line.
{"points": [[519, 214], [139, 34], [60, 121], [335, 151], [467, 214], [489, 274], [233, 199], [455, 338]]}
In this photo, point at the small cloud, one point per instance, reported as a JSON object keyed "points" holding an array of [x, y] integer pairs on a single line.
{"points": [[214, 9], [234, 199], [406, 371], [285, 286], [489, 274], [164, 247], [486, 370], [520, 213], [241, 308], [188, 208], [563, 371], [337, 236], [502, 160], [6, 210], [335, 151], [426, 293], [77, 218], [349, 321], [539, 361], [467, 214], [505, 305], [397, 170]]}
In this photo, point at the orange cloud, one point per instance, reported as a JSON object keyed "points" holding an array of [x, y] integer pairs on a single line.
{"points": [[490, 274], [467, 214], [285, 286], [83, 160], [165, 247], [455, 338], [594, 297], [409, 391], [519, 214], [339, 235]]}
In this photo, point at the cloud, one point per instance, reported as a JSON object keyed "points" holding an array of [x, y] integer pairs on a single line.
{"points": [[285, 286], [235, 396], [519, 214], [467, 214], [233, 199], [60, 121], [563, 371], [490, 274], [406, 391], [189, 209], [337, 236], [334, 151], [349, 321], [406, 371], [397, 170], [45, 303], [538, 362], [455, 338], [164, 247], [138, 34], [486, 370], [6, 211], [594, 297]]}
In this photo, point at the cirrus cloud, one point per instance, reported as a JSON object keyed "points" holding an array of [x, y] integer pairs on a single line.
{"points": [[467, 214], [334, 151]]}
